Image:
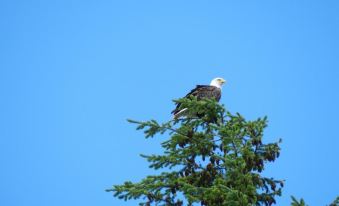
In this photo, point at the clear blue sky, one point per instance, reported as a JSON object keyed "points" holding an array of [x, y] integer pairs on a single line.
{"points": [[72, 71]]}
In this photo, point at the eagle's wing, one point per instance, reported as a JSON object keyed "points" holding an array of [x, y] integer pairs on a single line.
{"points": [[205, 91], [200, 91]]}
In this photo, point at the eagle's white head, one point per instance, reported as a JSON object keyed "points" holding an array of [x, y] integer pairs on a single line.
{"points": [[218, 82]]}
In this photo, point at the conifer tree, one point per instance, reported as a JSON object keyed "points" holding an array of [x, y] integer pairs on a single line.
{"points": [[211, 158]]}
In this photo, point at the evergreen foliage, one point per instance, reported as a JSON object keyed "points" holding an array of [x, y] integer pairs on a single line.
{"points": [[295, 202], [301, 202], [212, 158]]}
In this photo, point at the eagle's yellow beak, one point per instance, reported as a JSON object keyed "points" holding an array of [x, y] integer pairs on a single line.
{"points": [[222, 81]]}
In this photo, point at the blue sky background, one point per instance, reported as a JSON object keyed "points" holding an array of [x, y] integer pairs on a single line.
{"points": [[71, 72]]}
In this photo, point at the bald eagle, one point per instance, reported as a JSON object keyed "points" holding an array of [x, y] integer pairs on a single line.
{"points": [[202, 91]]}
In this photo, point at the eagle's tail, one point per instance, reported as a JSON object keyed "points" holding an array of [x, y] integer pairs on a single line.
{"points": [[179, 113]]}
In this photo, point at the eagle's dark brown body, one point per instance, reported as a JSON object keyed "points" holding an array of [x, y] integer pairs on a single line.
{"points": [[200, 92]]}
